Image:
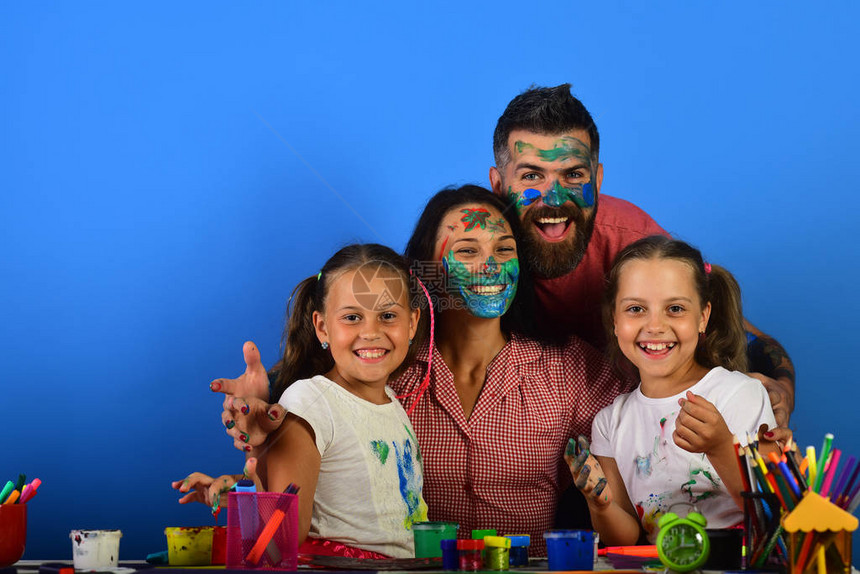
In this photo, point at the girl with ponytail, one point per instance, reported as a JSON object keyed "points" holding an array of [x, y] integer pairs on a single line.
{"points": [[675, 321]]}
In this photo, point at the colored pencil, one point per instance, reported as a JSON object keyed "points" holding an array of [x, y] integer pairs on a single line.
{"points": [[813, 466], [831, 472], [791, 460], [822, 461]]}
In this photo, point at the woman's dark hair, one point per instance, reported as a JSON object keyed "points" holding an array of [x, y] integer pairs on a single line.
{"points": [[724, 344], [421, 251], [303, 356]]}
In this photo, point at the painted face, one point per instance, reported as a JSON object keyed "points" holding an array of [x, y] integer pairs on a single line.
{"points": [[367, 323], [554, 186], [479, 257], [658, 317], [555, 191]]}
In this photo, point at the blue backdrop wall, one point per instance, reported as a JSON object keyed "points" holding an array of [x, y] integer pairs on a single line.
{"points": [[170, 170]]}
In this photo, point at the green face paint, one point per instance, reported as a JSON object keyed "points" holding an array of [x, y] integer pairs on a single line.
{"points": [[488, 294], [564, 149]]}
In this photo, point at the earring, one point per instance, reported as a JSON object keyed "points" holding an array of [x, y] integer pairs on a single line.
{"points": [[410, 342], [324, 345]]}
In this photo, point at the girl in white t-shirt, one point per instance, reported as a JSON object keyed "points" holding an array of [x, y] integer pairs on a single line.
{"points": [[678, 322], [346, 441]]}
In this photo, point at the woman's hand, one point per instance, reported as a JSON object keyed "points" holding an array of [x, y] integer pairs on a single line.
{"points": [[587, 474], [247, 415]]}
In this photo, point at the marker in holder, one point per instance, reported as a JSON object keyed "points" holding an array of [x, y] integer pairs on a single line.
{"points": [[262, 531]]}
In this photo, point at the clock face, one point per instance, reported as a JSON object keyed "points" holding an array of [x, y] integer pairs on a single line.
{"points": [[682, 544]]}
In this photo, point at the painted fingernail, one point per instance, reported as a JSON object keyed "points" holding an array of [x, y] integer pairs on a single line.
{"points": [[245, 409], [229, 424], [215, 386], [570, 449], [247, 448], [768, 434], [244, 437], [601, 484], [273, 415]]}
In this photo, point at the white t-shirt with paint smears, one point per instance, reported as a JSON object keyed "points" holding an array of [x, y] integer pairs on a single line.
{"points": [[369, 491], [637, 432]]}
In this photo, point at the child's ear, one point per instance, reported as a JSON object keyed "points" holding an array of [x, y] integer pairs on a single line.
{"points": [[414, 316], [706, 315], [320, 327]]}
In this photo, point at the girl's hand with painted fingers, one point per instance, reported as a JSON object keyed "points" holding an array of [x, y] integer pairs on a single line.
{"points": [[700, 427], [196, 487], [246, 414], [587, 474]]}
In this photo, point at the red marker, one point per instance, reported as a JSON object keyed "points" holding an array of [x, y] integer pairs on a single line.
{"points": [[643, 551], [30, 491]]}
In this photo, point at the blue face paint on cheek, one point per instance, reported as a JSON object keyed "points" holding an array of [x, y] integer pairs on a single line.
{"points": [[587, 194]]}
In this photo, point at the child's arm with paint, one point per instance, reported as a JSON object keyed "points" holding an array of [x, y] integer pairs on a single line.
{"points": [[612, 513], [246, 414], [293, 457]]}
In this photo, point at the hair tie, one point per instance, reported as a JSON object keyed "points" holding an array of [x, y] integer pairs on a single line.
{"points": [[707, 268], [426, 382], [319, 275]]}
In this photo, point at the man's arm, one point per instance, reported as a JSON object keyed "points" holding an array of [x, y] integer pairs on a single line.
{"points": [[769, 362]]}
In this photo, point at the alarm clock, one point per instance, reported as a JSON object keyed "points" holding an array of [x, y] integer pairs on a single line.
{"points": [[682, 543]]}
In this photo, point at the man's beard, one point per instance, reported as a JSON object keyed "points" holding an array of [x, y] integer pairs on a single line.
{"points": [[551, 260]]}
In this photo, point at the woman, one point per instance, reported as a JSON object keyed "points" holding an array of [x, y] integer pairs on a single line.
{"points": [[500, 405]]}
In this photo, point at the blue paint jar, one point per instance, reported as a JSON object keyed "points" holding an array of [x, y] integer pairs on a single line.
{"points": [[519, 550], [570, 549], [450, 555]]}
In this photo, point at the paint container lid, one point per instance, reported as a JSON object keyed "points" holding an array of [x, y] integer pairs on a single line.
{"points": [[497, 542], [519, 539], [470, 544], [435, 525], [448, 544], [570, 534], [479, 533]]}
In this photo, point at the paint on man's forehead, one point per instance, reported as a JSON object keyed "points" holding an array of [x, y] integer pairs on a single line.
{"points": [[563, 149]]}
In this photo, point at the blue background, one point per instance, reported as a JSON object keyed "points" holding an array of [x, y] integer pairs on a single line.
{"points": [[169, 171]]}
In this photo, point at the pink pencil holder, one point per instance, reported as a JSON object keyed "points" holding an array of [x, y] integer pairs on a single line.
{"points": [[262, 531]]}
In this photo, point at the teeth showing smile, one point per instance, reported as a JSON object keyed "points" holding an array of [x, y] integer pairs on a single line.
{"points": [[550, 220], [370, 353], [656, 346], [486, 289]]}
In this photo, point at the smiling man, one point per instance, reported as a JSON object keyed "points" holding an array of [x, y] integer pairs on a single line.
{"points": [[546, 150]]}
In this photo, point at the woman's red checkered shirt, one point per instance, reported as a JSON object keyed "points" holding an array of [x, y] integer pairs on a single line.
{"points": [[503, 468]]}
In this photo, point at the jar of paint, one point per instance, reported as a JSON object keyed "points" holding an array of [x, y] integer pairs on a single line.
{"points": [[95, 549], [429, 535], [570, 549], [470, 555], [519, 550], [450, 555], [497, 552], [478, 534], [189, 546]]}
